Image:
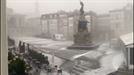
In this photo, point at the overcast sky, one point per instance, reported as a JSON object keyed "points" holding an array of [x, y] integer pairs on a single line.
{"points": [[50, 6]]}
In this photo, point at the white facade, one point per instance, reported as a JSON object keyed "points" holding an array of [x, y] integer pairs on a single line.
{"points": [[16, 24], [104, 27], [44, 26], [88, 18], [117, 21], [122, 20], [63, 25], [71, 27], [53, 26]]}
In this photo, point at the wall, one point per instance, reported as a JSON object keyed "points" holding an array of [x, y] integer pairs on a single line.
{"points": [[4, 50], [104, 27]]}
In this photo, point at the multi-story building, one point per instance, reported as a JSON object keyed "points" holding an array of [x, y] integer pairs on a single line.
{"points": [[32, 26], [105, 32], [15, 24], [9, 13], [22, 25], [50, 24], [64, 23], [128, 11], [115, 23], [70, 27], [122, 20], [55, 23], [92, 24], [45, 24], [102, 27]]}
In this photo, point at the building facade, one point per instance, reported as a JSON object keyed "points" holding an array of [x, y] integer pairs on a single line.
{"points": [[122, 20], [115, 23], [105, 32], [15, 24], [102, 27], [32, 26], [22, 25], [64, 23]]}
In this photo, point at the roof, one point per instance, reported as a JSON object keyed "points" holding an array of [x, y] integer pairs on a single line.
{"points": [[127, 39]]}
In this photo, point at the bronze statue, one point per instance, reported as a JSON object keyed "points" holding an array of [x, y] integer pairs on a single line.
{"points": [[81, 9]]}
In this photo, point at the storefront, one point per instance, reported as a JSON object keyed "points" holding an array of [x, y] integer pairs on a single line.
{"points": [[128, 49]]}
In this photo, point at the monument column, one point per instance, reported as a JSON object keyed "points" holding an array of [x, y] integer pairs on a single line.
{"points": [[82, 38]]}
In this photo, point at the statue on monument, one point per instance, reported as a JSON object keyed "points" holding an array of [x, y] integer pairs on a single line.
{"points": [[82, 26], [81, 9], [82, 39]]}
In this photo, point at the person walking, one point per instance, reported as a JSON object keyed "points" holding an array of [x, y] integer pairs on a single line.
{"points": [[59, 72]]}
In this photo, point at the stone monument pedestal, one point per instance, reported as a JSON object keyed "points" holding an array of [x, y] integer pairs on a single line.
{"points": [[82, 41]]}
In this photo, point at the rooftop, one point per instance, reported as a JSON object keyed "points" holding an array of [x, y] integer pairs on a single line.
{"points": [[127, 39]]}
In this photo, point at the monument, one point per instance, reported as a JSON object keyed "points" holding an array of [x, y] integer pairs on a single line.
{"points": [[82, 39]]}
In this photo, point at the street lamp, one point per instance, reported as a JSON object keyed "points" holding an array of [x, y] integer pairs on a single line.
{"points": [[53, 56]]}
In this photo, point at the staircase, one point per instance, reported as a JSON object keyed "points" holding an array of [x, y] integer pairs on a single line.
{"points": [[78, 69]]}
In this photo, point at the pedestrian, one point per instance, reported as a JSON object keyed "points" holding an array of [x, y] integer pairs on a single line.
{"points": [[55, 67], [48, 71], [59, 72], [19, 47], [28, 47], [23, 47]]}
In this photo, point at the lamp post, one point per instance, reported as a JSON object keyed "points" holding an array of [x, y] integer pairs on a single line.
{"points": [[53, 54], [41, 18]]}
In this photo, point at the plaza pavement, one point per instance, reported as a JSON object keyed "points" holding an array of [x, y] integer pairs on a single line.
{"points": [[109, 62]]}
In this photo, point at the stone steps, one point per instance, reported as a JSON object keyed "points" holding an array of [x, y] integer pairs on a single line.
{"points": [[78, 69], [76, 72], [82, 67]]}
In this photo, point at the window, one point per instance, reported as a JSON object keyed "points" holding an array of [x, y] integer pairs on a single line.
{"points": [[131, 56]]}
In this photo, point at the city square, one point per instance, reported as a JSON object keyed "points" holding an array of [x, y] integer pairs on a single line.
{"points": [[77, 42]]}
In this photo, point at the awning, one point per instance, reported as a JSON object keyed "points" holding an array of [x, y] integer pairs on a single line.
{"points": [[127, 39]]}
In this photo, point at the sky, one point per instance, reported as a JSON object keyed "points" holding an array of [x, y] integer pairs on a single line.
{"points": [[51, 6]]}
